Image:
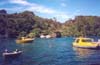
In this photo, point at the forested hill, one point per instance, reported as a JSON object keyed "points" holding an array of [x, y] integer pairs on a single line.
{"points": [[21, 24], [83, 25]]}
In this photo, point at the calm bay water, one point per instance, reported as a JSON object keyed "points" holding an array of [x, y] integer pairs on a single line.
{"points": [[55, 51]]}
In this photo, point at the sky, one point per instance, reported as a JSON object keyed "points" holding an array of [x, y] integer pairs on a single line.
{"points": [[62, 10]]}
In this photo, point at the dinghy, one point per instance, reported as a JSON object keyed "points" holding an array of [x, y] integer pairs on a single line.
{"points": [[13, 54]]}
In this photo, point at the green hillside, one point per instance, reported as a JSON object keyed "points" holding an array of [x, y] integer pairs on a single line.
{"points": [[22, 24]]}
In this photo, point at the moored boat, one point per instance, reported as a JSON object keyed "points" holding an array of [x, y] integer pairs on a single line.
{"points": [[82, 42], [24, 40]]}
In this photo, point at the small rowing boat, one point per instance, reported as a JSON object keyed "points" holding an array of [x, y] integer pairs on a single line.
{"points": [[13, 54]]}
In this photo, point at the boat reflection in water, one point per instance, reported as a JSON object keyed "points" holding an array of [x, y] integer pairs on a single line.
{"points": [[83, 53]]}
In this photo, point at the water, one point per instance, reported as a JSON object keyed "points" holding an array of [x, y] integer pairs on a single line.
{"points": [[55, 51]]}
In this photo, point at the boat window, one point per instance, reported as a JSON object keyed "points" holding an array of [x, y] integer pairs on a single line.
{"points": [[77, 41], [86, 40]]}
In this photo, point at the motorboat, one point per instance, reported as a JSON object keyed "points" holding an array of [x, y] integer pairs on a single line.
{"points": [[83, 42], [24, 40]]}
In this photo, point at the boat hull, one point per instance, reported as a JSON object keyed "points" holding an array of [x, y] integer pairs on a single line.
{"points": [[87, 47], [12, 55], [25, 41], [96, 46]]}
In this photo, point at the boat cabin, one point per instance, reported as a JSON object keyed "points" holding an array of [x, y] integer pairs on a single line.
{"points": [[83, 40]]}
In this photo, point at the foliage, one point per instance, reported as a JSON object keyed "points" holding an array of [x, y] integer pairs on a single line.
{"points": [[84, 25], [28, 24], [13, 25]]}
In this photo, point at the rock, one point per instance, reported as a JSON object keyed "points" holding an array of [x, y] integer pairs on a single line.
{"points": [[58, 35]]}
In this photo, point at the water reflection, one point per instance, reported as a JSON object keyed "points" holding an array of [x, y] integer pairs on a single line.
{"points": [[83, 53]]}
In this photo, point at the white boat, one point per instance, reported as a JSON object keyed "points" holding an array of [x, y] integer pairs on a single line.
{"points": [[42, 36], [13, 54], [48, 36]]}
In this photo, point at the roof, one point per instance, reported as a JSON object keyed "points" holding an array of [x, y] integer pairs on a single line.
{"points": [[83, 38]]}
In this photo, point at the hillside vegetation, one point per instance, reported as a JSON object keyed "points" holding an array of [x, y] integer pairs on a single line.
{"points": [[83, 25], [22, 24]]}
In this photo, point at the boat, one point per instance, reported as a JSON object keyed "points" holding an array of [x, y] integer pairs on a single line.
{"points": [[82, 42], [48, 36], [42, 36], [13, 54], [24, 40]]}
